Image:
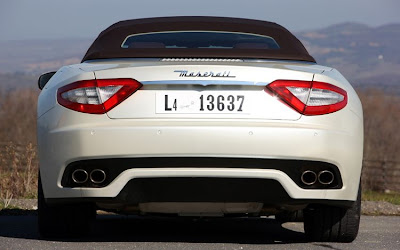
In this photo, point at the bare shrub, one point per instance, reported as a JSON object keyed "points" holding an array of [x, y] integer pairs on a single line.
{"points": [[382, 140], [18, 157], [7, 198], [18, 116]]}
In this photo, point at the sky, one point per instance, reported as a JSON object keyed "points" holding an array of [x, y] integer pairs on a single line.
{"points": [[59, 19]]}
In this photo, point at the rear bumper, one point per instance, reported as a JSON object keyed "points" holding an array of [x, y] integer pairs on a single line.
{"points": [[112, 168], [66, 136], [184, 190], [258, 185]]}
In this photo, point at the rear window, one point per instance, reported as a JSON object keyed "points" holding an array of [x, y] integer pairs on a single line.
{"points": [[200, 39]]}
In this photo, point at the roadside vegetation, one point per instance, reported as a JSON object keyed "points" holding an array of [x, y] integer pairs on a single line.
{"points": [[18, 157], [370, 195], [19, 160]]}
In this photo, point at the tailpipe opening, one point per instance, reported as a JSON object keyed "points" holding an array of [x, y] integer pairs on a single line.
{"points": [[79, 176], [308, 177], [97, 176], [326, 177]]}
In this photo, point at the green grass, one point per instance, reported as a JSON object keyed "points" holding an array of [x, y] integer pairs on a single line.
{"points": [[9, 207], [393, 198]]}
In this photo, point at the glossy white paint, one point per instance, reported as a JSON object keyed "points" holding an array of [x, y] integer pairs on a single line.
{"points": [[134, 129]]}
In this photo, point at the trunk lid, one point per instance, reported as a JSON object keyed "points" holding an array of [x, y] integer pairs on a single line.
{"points": [[186, 88]]}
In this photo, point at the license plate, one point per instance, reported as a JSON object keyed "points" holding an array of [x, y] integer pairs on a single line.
{"points": [[201, 102]]}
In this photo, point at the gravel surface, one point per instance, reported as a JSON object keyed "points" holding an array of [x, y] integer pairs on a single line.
{"points": [[379, 208], [28, 204]]}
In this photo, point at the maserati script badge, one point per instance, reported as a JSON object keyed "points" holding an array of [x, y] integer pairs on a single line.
{"points": [[185, 73]]}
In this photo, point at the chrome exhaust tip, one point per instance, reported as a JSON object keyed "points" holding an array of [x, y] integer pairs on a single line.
{"points": [[325, 177], [79, 176], [97, 176], [308, 177]]}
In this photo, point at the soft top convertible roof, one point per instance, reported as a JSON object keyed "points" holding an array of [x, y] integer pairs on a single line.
{"points": [[108, 43]]}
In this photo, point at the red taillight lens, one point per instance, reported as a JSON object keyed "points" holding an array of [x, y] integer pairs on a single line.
{"points": [[96, 96], [310, 98]]}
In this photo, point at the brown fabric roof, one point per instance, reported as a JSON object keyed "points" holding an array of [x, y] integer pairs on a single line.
{"points": [[108, 43]]}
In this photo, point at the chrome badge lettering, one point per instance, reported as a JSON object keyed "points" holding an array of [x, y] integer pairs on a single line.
{"points": [[185, 73]]}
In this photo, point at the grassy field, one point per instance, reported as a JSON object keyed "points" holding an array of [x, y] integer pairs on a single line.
{"points": [[393, 198]]}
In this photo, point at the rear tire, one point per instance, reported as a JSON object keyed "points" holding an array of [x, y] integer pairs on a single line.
{"points": [[63, 220], [333, 224]]}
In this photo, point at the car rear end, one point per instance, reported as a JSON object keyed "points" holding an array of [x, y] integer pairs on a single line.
{"points": [[223, 133], [177, 128]]}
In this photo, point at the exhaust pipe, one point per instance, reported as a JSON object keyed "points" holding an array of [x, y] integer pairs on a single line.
{"points": [[309, 177], [97, 176], [326, 177], [79, 176]]}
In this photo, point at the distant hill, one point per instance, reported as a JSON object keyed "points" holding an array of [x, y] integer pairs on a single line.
{"points": [[364, 55], [38, 56]]}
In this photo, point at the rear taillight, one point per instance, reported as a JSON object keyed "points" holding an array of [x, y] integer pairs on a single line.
{"points": [[310, 98], [96, 96]]}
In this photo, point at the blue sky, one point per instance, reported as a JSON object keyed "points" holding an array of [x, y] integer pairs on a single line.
{"points": [[55, 19]]}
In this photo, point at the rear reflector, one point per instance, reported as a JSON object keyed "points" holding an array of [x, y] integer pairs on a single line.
{"points": [[310, 98], [96, 96]]}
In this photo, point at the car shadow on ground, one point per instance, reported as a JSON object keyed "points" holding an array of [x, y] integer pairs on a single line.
{"points": [[116, 228]]}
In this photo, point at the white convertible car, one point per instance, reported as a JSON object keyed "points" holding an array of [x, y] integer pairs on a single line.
{"points": [[199, 116]]}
